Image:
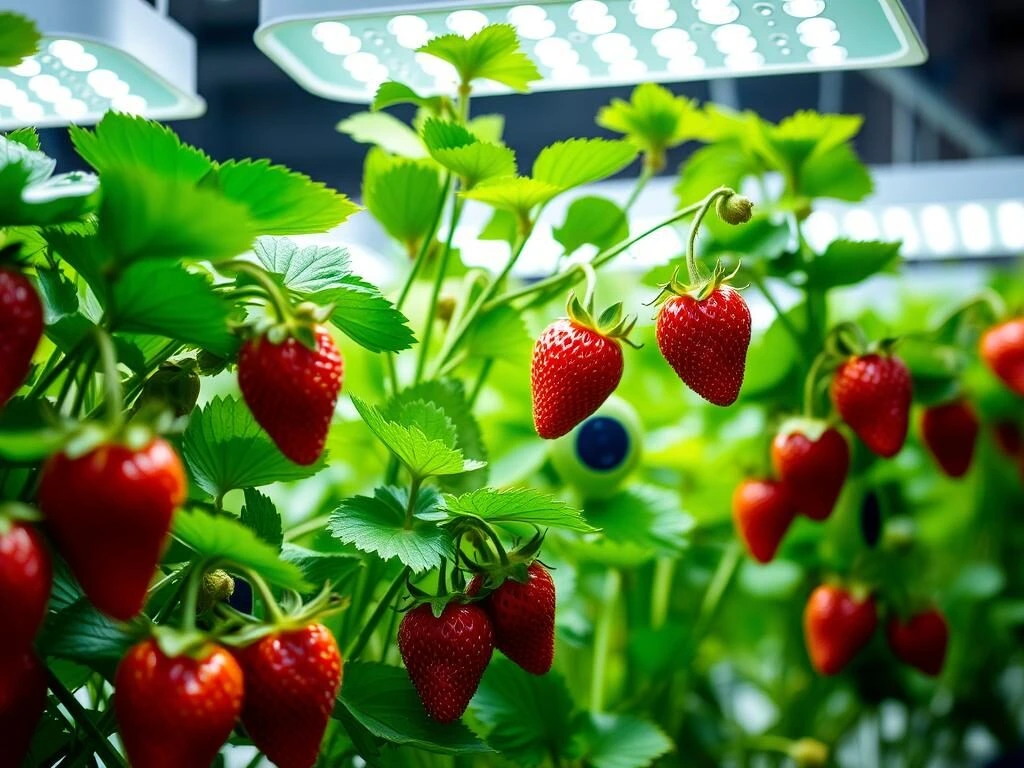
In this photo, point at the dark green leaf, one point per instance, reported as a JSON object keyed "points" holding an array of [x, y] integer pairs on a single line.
{"points": [[261, 516], [318, 568], [838, 174], [623, 741], [404, 196], [81, 633], [366, 317], [847, 262]]}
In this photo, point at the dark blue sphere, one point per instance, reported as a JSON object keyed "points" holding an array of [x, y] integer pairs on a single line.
{"points": [[602, 443]]}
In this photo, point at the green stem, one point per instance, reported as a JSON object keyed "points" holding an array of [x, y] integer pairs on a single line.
{"points": [[425, 244], [191, 602], [410, 508], [491, 534], [378, 613], [256, 760], [719, 585], [87, 373], [266, 595], [111, 757], [481, 379], [661, 591], [646, 174], [54, 373], [811, 381], [435, 293], [791, 329], [603, 638], [309, 526], [691, 244], [591, 275], [280, 303], [114, 399]]}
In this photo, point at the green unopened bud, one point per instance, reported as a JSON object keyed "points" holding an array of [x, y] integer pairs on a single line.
{"points": [[218, 586], [445, 309], [734, 209], [809, 753]]}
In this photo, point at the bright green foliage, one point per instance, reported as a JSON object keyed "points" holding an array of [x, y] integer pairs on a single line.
{"points": [[517, 505], [385, 131], [847, 262], [573, 163], [305, 270], [622, 741], [493, 53], [642, 518], [516, 194], [472, 160], [261, 516], [81, 633], [403, 195], [391, 93], [19, 37], [592, 221], [28, 137], [654, 119], [318, 568], [501, 334]]}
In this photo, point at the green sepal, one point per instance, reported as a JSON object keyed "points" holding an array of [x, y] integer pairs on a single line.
{"points": [[297, 616], [812, 429], [15, 512], [175, 642], [700, 290], [611, 323]]}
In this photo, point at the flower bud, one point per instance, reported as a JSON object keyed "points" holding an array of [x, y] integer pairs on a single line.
{"points": [[218, 586], [809, 753], [734, 209]]}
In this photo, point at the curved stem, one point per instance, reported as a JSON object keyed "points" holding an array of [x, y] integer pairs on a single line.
{"points": [[702, 211], [646, 174], [811, 381], [435, 293], [719, 585], [282, 308], [603, 638], [425, 244], [266, 595], [378, 613], [495, 540], [591, 275], [111, 757], [485, 370], [410, 508], [191, 602], [111, 379]]}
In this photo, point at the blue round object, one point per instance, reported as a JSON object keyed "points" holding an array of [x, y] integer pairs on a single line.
{"points": [[602, 443]]}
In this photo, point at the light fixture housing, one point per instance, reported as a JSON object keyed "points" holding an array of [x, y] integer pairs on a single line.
{"points": [[343, 49], [98, 55]]}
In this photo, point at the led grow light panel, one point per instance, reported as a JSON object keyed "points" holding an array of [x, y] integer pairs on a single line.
{"points": [[344, 50]]}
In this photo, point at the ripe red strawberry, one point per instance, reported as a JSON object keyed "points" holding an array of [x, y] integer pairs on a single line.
{"points": [[1008, 438], [705, 341], [921, 641], [574, 370], [950, 431], [523, 618], [836, 627], [872, 393], [25, 580], [446, 656], [292, 390], [109, 512], [22, 700], [291, 681], [1002, 349], [176, 711], [813, 470], [21, 328], [762, 511]]}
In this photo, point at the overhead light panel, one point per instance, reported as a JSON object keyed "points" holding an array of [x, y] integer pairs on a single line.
{"points": [[344, 49], [98, 55]]}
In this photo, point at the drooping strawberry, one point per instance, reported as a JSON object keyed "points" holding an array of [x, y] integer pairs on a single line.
{"points": [[762, 511], [291, 385], [109, 512], [577, 364], [21, 328], [1002, 349], [523, 617], [836, 627], [25, 580], [175, 711], [920, 641], [291, 680], [22, 700], [872, 393], [446, 656], [950, 432], [812, 463]]}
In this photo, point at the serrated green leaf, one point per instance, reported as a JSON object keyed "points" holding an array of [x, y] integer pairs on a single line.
{"points": [[36, 165], [226, 449], [226, 538], [318, 568], [429, 418], [458, 150], [27, 137], [378, 524], [261, 516], [81, 633], [165, 299], [847, 262], [66, 591], [382, 700], [391, 93], [572, 163], [645, 516], [441, 134], [722, 164], [366, 317], [308, 269], [654, 119], [282, 201], [493, 53], [592, 221], [837, 173], [19, 37], [404, 196], [64, 198], [385, 131], [490, 128], [422, 455], [518, 505], [623, 741], [517, 194], [787, 146]]}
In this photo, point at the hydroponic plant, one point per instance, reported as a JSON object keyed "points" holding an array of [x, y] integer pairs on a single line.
{"points": [[206, 545]]}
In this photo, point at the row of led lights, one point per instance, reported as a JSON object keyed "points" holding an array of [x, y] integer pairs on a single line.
{"points": [[44, 88]]}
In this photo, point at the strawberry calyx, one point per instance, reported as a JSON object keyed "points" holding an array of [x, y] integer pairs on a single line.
{"points": [[12, 512], [299, 323], [810, 428], [292, 614], [610, 323], [516, 568], [699, 289], [190, 642]]}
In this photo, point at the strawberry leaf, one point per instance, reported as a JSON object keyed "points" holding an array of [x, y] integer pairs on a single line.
{"points": [[517, 505], [383, 130], [303, 269], [837, 173], [621, 741], [847, 262], [261, 516], [458, 150], [391, 93], [644, 520], [19, 37], [493, 53], [516, 194], [572, 163], [654, 119], [592, 221], [83, 634], [403, 195], [318, 568], [363, 314]]}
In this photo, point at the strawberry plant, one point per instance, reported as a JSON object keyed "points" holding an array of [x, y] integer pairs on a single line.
{"points": [[256, 507]]}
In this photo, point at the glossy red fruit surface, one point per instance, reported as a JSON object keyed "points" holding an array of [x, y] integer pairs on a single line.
{"points": [[22, 700], [21, 328], [1002, 349], [872, 393], [26, 576], [813, 471], [762, 511], [950, 432], [921, 641], [836, 627]]}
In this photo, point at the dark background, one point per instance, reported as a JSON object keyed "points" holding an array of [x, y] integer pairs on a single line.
{"points": [[973, 86]]}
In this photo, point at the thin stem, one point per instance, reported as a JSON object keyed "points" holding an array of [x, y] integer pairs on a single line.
{"points": [[661, 591], [425, 244], [54, 373], [435, 293], [410, 508], [719, 585], [87, 373], [603, 638], [591, 275], [266, 595], [691, 244], [191, 601], [810, 381], [646, 174], [791, 329], [481, 379], [282, 308], [111, 757], [308, 526], [378, 613], [495, 540], [114, 399]]}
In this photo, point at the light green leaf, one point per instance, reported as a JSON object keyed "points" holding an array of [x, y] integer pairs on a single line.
{"points": [[378, 525], [796, 139], [226, 538], [27, 137], [318, 568], [225, 449], [501, 226], [391, 93], [385, 131], [500, 334], [489, 128], [85, 253], [592, 221], [36, 166], [83, 634], [623, 741], [19, 37], [422, 455], [646, 516], [837, 173], [527, 718], [575, 162], [282, 201], [404, 197], [306, 269], [654, 118], [366, 317], [847, 262], [463, 154], [261, 516], [446, 134], [165, 299], [518, 505], [427, 417], [493, 53], [723, 164], [517, 194], [382, 700]]}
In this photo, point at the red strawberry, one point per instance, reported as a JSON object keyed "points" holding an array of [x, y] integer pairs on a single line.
{"points": [[22, 700], [176, 711], [292, 390], [950, 431], [705, 341], [523, 617], [291, 680], [25, 580], [762, 511], [872, 393], [109, 512], [920, 642], [21, 328], [1002, 349], [813, 470], [446, 656], [1008, 438], [836, 627], [574, 370]]}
